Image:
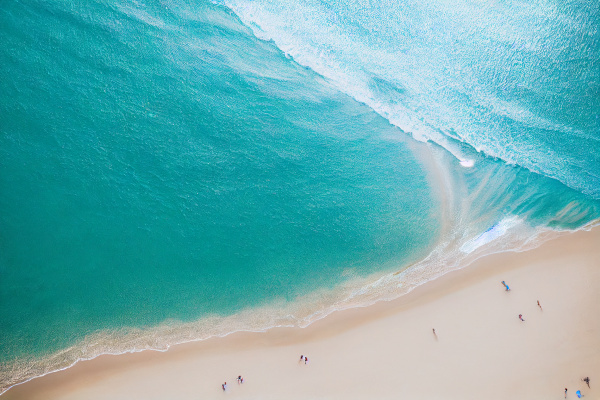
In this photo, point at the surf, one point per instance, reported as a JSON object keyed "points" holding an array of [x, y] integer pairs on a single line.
{"points": [[186, 171], [446, 71]]}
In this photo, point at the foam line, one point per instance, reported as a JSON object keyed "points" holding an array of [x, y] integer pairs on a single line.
{"points": [[357, 292]]}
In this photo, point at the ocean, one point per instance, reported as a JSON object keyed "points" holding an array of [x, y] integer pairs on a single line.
{"points": [[176, 170]]}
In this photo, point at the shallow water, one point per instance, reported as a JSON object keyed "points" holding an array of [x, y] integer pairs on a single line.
{"points": [[168, 172]]}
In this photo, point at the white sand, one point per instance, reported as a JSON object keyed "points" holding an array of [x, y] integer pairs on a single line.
{"points": [[388, 351]]}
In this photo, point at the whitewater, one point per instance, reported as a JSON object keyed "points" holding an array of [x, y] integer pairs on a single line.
{"points": [[514, 80], [175, 171]]}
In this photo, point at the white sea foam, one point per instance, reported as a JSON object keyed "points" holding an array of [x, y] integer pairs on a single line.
{"points": [[353, 73], [428, 90], [355, 292], [491, 234]]}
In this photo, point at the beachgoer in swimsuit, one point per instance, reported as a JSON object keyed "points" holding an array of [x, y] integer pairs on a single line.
{"points": [[521, 317], [305, 360], [587, 380], [539, 305]]}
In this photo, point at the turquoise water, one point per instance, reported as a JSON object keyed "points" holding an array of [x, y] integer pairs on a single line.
{"points": [[169, 171]]}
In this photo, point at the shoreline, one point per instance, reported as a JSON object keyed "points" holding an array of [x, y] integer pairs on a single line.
{"points": [[359, 293], [87, 377]]}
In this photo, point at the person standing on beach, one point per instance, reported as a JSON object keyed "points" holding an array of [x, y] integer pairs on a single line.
{"points": [[506, 286], [521, 317], [586, 380], [239, 379], [305, 360], [434, 331], [301, 358], [540, 306], [224, 386], [565, 393]]}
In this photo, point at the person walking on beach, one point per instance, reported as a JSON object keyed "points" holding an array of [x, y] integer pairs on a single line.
{"points": [[506, 286], [521, 317], [540, 306], [301, 358], [586, 380], [565, 393], [305, 360], [224, 386], [239, 379], [434, 331]]}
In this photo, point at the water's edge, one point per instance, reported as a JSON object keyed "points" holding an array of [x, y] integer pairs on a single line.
{"points": [[351, 294]]}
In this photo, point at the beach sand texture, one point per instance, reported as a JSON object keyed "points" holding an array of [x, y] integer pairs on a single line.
{"points": [[481, 349]]}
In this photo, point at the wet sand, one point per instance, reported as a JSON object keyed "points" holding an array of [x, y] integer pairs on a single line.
{"points": [[481, 350]]}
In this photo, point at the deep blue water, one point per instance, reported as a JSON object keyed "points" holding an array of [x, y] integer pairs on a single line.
{"points": [[173, 163]]}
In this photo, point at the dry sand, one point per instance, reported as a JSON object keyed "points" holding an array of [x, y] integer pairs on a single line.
{"points": [[388, 351]]}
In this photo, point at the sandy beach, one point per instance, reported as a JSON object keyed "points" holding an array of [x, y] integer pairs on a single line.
{"points": [[194, 191], [481, 349]]}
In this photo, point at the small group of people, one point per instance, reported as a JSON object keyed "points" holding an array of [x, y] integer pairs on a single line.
{"points": [[240, 380], [578, 393], [521, 315], [303, 358], [586, 379]]}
